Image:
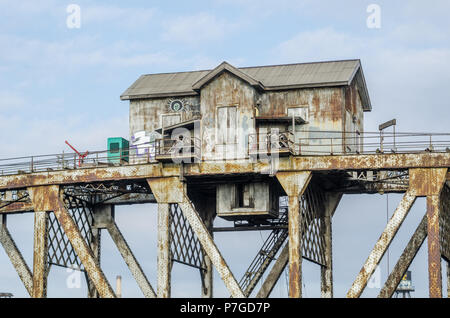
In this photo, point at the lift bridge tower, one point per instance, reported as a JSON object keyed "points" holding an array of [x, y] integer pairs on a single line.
{"points": [[270, 148]]}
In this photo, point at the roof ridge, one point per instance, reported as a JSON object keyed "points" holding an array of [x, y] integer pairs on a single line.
{"points": [[257, 66], [302, 63]]}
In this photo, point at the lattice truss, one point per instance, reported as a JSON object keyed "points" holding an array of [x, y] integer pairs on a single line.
{"points": [[184, 245], [311, 205], [444, 223], [60, 250]]}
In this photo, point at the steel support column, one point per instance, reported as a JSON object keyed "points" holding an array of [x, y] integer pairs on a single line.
{"points": [[382, 244], [434, 248], [206, 208], [448, 279], [131, 261], [15, 256], [211, 249], [326, 272], [294, 184], [96, 248], [164, 261], [40, 254], [429, 183], [172, 190], [207, 275], [275, 273], [405, 260], [49, 198]]}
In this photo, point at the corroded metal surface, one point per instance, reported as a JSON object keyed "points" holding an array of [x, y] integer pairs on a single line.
{"points": [[275, 273], [166, 190], [211, 249], [40, 253], [295, 248], [444, 223], [164, 261], [207, 275], [405, 260], [131, 261], [448, 279], [298, 163], [17, 207], [382, 244], [160, 189], [294, 184], [95, 245], [206, 208], [51, 199], [434, 249], [429, 183], [15, 256], [326, 271]]}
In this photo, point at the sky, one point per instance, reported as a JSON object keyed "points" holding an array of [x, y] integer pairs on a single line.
{"points": [[59, 83]]}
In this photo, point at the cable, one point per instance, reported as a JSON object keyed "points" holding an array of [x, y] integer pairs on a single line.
{"points": [[387, 220]]}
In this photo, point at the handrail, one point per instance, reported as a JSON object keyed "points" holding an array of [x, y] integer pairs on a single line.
{"points": [[310, 143]]}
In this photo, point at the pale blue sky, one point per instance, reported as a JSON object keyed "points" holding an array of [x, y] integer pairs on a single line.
{"points": [[58, 83]]}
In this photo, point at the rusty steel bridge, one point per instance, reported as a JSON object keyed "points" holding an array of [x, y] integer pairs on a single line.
{"points": [[72, 202]]}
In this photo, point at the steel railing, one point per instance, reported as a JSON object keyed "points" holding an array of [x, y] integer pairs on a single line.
{"points": [[178, 147], [269, 142], [305, 143]]}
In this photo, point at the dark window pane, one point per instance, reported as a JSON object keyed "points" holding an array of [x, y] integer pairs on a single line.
{"points": [[114, 147]]}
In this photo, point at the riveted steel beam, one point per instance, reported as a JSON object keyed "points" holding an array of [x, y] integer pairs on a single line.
{"points": [[429, 183], [382, 244], [131, 261], [15, 256], [164, 259], [17, 207], [40, 254], [434, 248], [95, 246], [294, 184], [294, 163], [275, 273], [405, 260], [326, 272], [49, 198], [206, 208]]}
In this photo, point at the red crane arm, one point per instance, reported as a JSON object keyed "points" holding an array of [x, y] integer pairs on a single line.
{"points": [[80, 156], [73, 148]]}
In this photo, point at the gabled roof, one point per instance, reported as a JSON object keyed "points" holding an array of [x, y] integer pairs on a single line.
{"points": [[224, 66], [268, 78]]}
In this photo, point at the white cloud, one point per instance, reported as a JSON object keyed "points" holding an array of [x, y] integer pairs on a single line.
{"points": [[405, 81], [117, 16], [10, 101], [70, 54], [316, 45], [199, 28], [47, 135]]}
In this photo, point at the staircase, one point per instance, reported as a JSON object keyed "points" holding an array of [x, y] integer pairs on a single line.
{"points": [[265, 255]]}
